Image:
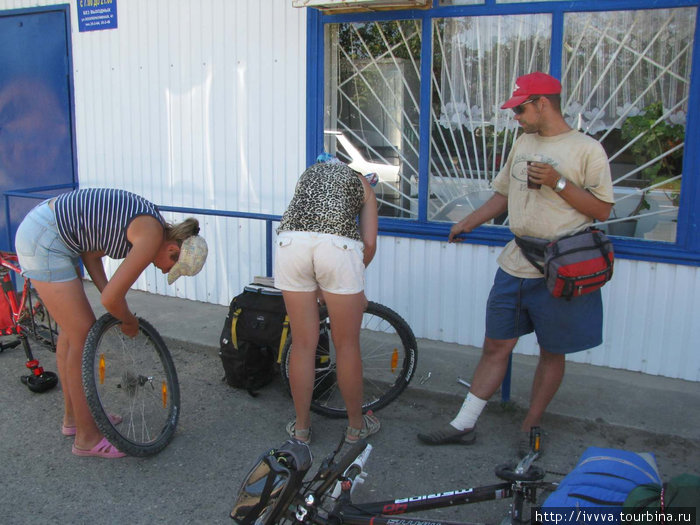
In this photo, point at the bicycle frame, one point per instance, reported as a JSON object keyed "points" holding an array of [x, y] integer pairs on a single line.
{"points": [[39, 379], [521, 483], [393, 512], [6, 261]]}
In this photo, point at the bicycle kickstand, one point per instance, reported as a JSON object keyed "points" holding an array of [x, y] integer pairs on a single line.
{"points": [[39, 380]]}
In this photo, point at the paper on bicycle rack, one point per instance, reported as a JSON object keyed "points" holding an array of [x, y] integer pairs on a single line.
{"points": [[359, 462], [264, 281]]}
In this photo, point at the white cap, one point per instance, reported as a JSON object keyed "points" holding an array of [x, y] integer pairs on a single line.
{"points": [[193, 254]]}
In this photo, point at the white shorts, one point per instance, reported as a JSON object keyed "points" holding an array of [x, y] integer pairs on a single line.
{"points": [[305, 261]]}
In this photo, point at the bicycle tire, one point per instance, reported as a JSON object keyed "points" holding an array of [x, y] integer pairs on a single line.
{"points": [[134, 378], [389, 357]]}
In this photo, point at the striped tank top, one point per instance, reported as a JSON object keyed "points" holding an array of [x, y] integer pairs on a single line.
{"points": [[96, 219]]}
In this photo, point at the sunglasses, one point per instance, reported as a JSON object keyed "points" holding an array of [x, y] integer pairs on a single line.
{"points": [[519, 109]]}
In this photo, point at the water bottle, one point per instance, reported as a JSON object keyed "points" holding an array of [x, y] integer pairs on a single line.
{"points": [[327, 157], [372, 178]]}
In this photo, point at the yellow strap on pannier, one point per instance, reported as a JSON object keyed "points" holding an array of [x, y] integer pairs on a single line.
{"points": [[234, 339], [283, 338]]}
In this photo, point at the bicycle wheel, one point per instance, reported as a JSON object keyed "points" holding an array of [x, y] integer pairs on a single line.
{"points": [[134, 378], [389, 356]]}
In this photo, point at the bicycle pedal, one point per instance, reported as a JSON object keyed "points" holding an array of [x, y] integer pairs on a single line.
{"points": [[510, 472]]}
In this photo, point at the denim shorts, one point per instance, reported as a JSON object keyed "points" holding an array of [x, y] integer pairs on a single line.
{"points": [[520, 306], [305, 261], [42, 255]]}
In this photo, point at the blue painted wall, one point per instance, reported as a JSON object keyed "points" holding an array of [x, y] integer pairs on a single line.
{"points": [[36, 131]]}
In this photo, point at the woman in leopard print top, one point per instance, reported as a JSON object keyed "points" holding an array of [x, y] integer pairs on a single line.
{"points": [[327, 199], [321, 253]]}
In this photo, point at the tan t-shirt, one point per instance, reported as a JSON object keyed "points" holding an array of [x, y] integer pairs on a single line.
{"points": [[542, 213]]}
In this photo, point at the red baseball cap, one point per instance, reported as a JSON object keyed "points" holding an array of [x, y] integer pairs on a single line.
{"points": [[533, 84]]}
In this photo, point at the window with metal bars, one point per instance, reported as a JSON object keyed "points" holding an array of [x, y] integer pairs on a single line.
{"points": [[418, 96]]}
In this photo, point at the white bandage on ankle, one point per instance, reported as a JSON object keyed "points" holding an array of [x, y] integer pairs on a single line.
{"points": [[469, 413]]}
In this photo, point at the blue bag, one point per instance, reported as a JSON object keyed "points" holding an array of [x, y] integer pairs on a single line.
{"points": [[602, 479]]}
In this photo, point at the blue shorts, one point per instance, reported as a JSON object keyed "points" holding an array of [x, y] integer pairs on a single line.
{"points": [[42, 255], [520, 306]]}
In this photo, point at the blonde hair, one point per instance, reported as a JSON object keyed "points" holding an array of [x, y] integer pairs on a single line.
{"points": [[181, 231]]}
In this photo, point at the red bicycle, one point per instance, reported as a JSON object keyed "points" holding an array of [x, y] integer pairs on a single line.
{"points": [[22, 315]]}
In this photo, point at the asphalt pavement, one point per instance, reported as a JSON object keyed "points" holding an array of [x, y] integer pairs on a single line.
{"points": [[222, 430]]}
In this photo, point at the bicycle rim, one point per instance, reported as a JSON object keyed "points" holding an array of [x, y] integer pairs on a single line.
{"points": [[388, 349], [133, 378]]}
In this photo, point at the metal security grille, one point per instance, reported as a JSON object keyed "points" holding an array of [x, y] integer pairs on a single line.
{"points": [[625, 77], [480, 58], [372, 106]]}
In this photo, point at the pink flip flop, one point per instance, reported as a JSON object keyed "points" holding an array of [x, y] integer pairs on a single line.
{"points": [[104, 449], [70, 431]]}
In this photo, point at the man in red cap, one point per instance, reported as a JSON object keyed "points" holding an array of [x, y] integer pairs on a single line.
{"points": [[555, 182]]}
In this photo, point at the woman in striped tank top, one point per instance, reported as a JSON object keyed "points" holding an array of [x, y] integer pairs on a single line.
{"points": [[86, 225]]}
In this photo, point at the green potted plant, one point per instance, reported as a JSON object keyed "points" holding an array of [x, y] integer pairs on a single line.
{"points": [[653, 137], [657, 137]]}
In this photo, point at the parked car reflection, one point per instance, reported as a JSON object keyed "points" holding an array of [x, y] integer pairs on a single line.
{"points": [[388, 188], [387, 173]]}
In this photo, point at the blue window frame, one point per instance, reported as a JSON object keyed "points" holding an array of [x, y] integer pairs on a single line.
{"points": [[419, 218]]}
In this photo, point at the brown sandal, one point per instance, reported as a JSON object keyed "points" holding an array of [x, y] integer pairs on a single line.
{"points": [[371, 425], [300, 434]]}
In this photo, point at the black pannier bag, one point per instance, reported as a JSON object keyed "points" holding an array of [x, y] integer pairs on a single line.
{"points": [[271, 485], [255, 329]]}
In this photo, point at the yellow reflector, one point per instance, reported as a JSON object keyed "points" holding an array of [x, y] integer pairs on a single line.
{"points": [[394, 360], [101, 369], [164, 391]]}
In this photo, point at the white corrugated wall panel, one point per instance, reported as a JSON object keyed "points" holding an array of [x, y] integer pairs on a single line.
{"points": [[441, 289], [196, 104], [201, 105]]}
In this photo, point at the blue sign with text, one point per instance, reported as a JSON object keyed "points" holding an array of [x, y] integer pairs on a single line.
{"points": [[94, 15]]}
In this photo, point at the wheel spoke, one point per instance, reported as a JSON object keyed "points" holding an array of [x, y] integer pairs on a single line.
{"points": [[388, 352]]}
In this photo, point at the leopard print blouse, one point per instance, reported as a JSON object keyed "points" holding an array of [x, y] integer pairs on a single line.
{"points": [[327, 199]]}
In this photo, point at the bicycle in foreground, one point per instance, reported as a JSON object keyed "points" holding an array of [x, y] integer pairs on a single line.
{"points": [[24, 315], [389, 357], [275, 491], [134, 378]]}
